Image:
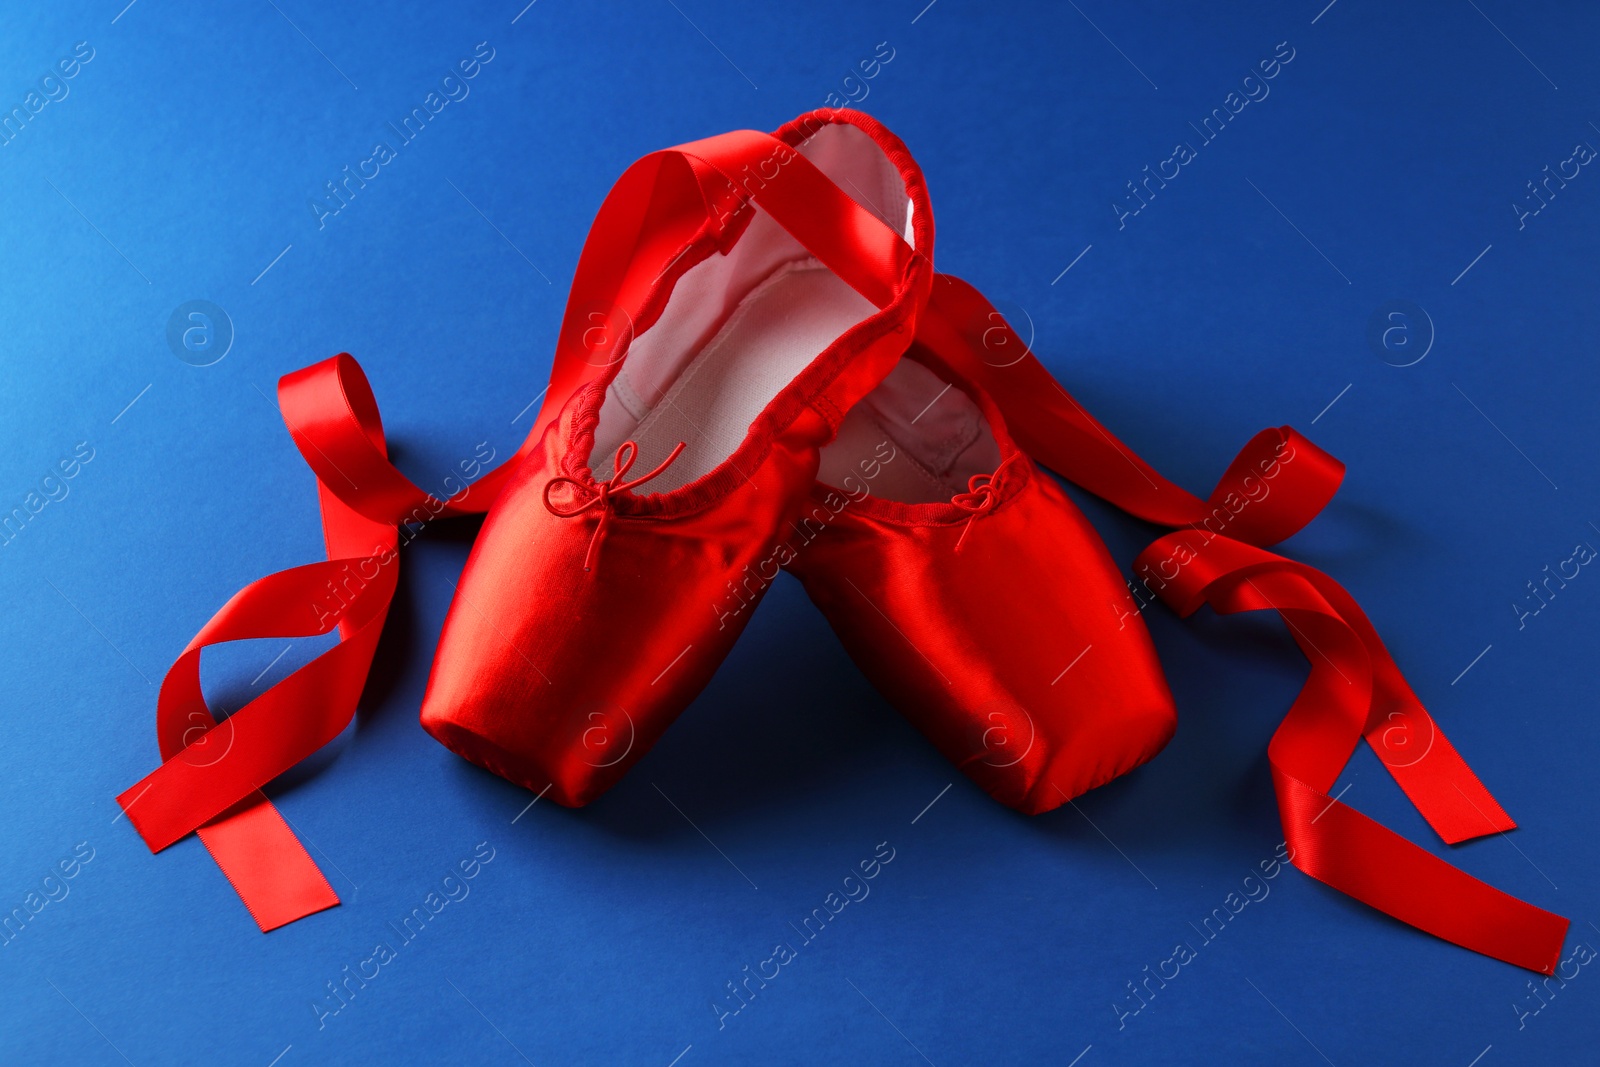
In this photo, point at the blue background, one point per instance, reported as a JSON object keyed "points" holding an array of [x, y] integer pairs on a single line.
{"points": [[181, 164]]}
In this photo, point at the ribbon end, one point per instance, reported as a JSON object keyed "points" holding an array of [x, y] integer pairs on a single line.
{"points": [[272, 920], [266, 864], [126, 800], [1555, 954], [1455, 835]]}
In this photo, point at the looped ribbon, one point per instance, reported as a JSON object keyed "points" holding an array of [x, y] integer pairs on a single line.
{"points": [[1278, 482], [211, 778], [599, 494], [978, 499]]}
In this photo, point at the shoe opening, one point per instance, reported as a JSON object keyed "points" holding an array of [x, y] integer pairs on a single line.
{"points": [[739, 327]]}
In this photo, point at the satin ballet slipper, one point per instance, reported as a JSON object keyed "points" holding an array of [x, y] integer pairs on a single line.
{"points": [[735, 299], [975, 595]]}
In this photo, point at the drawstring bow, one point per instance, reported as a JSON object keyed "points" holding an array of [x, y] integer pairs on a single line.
{"points": [[599, 495]]}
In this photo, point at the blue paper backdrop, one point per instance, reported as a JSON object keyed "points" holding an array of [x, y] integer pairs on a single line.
{"points": [[1387, 160]]}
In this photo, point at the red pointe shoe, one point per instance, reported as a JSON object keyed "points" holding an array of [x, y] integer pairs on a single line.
{"points": [[735, 298], [975, 595]]}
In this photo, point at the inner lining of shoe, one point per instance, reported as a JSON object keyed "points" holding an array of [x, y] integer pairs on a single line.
{"points": [[740, 327], [940, 439]]}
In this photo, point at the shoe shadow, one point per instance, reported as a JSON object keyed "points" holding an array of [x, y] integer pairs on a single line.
{"points": [[747, 749], [405, 644]]}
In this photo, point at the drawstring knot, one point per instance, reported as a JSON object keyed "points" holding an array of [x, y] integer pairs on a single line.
{"points": [[978, 499], [599, 496]]}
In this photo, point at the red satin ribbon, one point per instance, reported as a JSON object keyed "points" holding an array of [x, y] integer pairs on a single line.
{"points": [[963, 330], [1355, 689], [1277, 484], [673, 205], [212, 776]]}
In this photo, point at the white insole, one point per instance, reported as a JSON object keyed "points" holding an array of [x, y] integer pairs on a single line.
{"points": [[775, 332], [940, 439]]}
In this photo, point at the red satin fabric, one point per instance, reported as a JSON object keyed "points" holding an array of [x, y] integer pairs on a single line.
{"points": [[568, 569], [997, 622], [599, 496], [674, 208], [1024, 659], [560, 679]]}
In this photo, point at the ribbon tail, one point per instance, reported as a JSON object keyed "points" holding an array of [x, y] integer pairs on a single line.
{"points": [[266, 864], [1436, 779], [1340, 847], [1351, 676], [1411, 744]]}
